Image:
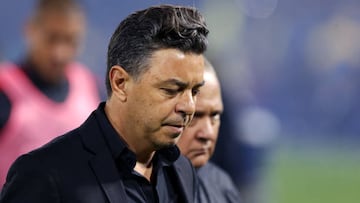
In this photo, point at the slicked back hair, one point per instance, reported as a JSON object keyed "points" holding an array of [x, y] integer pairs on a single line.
{"points": [[152, 29]]}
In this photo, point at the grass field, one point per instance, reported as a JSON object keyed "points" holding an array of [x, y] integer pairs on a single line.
{"points": [[314, 176]]}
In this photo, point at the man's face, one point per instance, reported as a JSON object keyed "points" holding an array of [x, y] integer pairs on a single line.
{"points": [[53, 40], [162, 102], [199, 139]]}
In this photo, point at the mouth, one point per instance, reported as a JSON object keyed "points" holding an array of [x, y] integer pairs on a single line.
{"points": [[175, 128], [204, 149], [199, 152]]}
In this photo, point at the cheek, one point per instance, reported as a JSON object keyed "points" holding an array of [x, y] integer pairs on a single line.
{"points": [[154, 108], [145, 111], [162, 109], [185, 141], [216, 136]]}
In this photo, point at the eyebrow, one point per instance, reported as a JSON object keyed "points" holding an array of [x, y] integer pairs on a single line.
{"points": [[201, 113], [200, 84], [181, 84]]}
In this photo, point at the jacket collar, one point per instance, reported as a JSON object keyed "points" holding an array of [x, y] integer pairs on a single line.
{"points": [[104, 167], [101, 162], [186, 179]]}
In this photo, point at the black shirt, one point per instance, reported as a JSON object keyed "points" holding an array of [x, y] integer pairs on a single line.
{"points": [[161, 188]]}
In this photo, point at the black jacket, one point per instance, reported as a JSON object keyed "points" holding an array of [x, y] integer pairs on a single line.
{"points": [[78, 167], [216, 186]]}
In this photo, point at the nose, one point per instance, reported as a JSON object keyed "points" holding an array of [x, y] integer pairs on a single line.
{"points": [[62, 51], [186, 104], [206, 129], [59, 52]]}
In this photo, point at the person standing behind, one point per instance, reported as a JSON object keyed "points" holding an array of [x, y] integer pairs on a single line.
{"points": [[126, 150], [198, 143], [47, 93]]}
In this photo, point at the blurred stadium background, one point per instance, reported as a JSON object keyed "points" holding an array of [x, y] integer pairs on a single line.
{"points": [[290, 71]]}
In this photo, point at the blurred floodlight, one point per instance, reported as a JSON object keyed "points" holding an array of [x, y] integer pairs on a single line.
{"points": [[257, 126]]}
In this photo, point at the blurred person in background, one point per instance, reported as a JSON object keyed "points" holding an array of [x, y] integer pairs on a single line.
{"points": [[46, 93], [199, 139]]}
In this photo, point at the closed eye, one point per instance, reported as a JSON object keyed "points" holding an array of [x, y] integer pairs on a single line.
{"points": [[170, 92]]}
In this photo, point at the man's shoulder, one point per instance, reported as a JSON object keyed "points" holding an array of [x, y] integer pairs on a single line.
{"points": [[183, 165], [212, 169], [7, 64], [183, 161], [212, 172], [52, 155], [59, 149], [47, 169], [218, 184], [187, 176], [69, 146], [5, 103]]}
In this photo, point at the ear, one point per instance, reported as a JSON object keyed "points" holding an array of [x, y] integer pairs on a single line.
{"points": [[118, 80]]}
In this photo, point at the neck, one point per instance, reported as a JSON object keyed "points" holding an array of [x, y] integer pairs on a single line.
{"points": [[56, 91], [50, 77], [144, 170], [144, 153]]}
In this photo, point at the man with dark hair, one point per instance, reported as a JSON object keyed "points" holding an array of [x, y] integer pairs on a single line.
{"points": [[198, 143], [125, 151], [47, 93]]}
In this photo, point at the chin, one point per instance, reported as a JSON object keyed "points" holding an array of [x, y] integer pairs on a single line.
{"points": [[164, 140], [199, 163], [161, 145]]}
